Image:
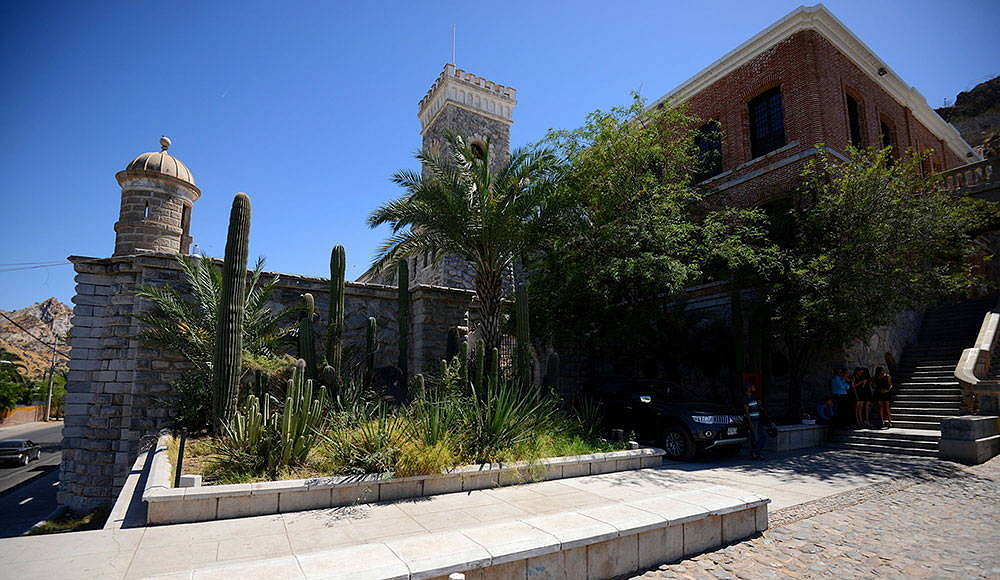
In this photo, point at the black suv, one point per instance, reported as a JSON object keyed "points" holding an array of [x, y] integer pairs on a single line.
{"points": [[683, 428]]}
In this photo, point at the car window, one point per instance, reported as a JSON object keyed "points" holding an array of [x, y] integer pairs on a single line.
{"points": [[10, 444]]}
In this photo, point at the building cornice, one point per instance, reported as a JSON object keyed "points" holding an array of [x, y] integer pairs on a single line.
{"points": [[822, 21]]}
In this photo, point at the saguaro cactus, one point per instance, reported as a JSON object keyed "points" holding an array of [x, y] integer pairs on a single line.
{"points": [[524, 359], [494, 365], [403, 315], [232, 304], [335, 317], [307, 341], [371, 344], [479, 364]]}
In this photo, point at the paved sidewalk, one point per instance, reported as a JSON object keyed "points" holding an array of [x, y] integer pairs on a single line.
{"points": [[945, 527], [789, 480]]}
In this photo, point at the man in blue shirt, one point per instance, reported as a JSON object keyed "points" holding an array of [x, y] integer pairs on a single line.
{"points": [[825, 412], [840, 388]]}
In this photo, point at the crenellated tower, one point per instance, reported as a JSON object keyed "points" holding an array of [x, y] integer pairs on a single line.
{"points": [[467, 105]]}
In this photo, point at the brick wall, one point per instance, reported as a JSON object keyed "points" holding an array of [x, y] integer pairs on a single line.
{"points": [[814, 78]]}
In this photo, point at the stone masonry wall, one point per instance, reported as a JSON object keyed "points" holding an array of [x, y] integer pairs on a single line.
{"points": [[116, 384]]}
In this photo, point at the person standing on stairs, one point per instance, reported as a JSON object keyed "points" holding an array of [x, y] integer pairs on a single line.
{"points": [[862, 386], [883, 395]]}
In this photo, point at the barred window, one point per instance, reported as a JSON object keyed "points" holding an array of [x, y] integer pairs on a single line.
{"points": [[767, 123], [709, 142], [888, 138], [854, 121]]}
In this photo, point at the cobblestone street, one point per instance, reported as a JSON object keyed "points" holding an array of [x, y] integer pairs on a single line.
{"points": [[944, 527]]}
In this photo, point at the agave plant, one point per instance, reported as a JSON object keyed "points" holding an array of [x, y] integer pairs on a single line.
{"points": [[502, 414]]}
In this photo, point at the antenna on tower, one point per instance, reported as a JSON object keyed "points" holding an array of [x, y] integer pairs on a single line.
{"points": [[453, 45]]}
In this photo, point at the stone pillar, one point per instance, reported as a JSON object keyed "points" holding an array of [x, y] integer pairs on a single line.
{"points": [[971, 439]]}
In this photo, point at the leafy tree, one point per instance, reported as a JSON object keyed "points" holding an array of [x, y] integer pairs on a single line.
{"points": [[645, 237], [186, 323], [864, 240], [469, 204], [13, 387]]}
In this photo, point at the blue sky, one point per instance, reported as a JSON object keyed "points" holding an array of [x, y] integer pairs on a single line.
{"points": [[309, 107]]}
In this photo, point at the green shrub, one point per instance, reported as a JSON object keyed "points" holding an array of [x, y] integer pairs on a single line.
{"points": [[503, 414], [263, 439]]}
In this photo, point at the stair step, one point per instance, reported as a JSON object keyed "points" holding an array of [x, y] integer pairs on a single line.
{"points": [[935, 379], [950, 391], [928, 404], [924, 425], [905, 397], [928, 435], [886, 449], [889, 442], [904, 412]]}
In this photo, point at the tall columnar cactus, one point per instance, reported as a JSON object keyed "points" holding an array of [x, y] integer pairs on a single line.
{"points": [[463, 362], [371, 345], [403, 315], [494, 365], [478, 364], [524, 358], [335, 316], [229, 331], [307, 341]]}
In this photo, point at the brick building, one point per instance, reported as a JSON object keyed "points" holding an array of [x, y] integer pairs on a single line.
{"points": [[805, 80]]}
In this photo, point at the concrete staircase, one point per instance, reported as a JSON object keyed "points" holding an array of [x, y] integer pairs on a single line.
{"points": [[926, 388]]}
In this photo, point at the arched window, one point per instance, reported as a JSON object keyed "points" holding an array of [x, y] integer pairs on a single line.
{"points": [[478, 148]]}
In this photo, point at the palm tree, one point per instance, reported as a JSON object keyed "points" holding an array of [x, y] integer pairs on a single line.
{"points": [[186, 323], [462, 204]]}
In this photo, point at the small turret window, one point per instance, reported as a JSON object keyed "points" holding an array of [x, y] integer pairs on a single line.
{"points": [[145, 211]]}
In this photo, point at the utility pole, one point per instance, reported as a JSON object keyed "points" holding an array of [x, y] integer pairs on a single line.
{"points": [[52, 368]]}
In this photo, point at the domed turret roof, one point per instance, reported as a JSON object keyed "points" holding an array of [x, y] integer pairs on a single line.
{"points": [[162, 162]]}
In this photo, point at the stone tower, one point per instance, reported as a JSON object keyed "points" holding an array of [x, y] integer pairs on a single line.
{"points": [[158, 193], [475, 108], [470, 106]]}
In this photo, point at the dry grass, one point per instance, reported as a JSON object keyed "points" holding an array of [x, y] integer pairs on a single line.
{"points": [[72, 522]]}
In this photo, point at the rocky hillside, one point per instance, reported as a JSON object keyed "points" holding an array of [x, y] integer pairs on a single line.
{"points": [[976, 113], [47, 320]]}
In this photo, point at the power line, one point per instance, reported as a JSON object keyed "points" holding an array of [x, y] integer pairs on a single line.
{"points": [[28, 332], [35, 263], [19, 268]]}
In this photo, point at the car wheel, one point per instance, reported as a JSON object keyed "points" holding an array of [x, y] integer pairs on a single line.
{"points": [[25, 459], [678, 444]]}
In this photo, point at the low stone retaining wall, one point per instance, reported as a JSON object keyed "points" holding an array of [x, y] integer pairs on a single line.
{"points": [[605, 541], [169, 505], [792, 437]]}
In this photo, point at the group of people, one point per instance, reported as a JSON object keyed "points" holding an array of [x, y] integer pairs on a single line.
{"points": [[860, 392]]}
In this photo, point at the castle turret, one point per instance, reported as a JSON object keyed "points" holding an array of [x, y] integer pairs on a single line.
{"points": [[470, 106], [158, 193]]}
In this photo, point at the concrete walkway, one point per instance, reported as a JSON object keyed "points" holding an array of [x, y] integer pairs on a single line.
{"points": [[142, 552]]}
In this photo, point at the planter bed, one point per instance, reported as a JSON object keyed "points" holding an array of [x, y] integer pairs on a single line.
{"points": [[169, 505]]}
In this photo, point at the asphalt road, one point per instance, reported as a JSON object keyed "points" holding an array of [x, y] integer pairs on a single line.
{"points": [[28, 493]]}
